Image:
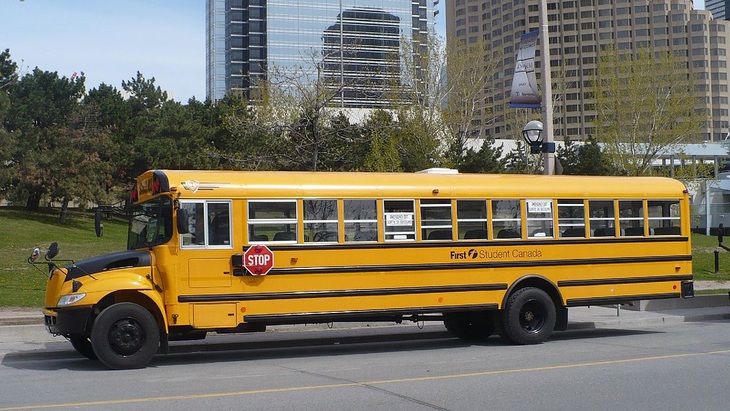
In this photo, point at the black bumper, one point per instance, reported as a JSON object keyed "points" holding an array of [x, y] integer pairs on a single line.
{"points": [[68, 321]]}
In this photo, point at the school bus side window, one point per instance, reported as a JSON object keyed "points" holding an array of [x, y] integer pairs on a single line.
{"points": [[664, 217], [209, 223], [436, 220], [506, 219], [601, 218], [272, 220], [571, 218], [361, 220], [631, 217], [219, 223], [471, 218], [399, 217], [320, 221], [539, 218]]}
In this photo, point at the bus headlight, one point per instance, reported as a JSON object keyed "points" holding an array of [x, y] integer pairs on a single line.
{"points": [[69, 299]]}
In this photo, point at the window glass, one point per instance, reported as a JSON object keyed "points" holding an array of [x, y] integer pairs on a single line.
{"points": [[399, 218], [631, 217], [361, 220], [219, 224], [506, 219], [601, 218], [471, 219], [664, 217], [272, 220], [436, 220], [209, 223], [571, 218], [320, 221], [539, 218]]}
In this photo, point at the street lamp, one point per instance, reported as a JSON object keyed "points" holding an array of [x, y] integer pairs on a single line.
{"points": [[534, 135]]}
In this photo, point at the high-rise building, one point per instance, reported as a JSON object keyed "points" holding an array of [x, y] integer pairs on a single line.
{"points": [[356, 44], [577, 31], [718, 8]]}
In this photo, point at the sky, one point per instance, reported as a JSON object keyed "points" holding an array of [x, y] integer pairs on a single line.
{"points": [[109, 41]]}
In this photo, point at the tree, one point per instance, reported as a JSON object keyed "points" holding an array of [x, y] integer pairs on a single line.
{"points": [[143, 94], [488, 159], [645, 104], [41, 102], [584, 159]]}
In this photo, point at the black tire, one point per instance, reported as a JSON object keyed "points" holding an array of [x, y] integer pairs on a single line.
{"points": [[82, 345], [470, 326], [125, 336], [528, 317]]}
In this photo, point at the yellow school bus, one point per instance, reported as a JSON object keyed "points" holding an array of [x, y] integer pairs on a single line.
{"points": [[235, 251]]}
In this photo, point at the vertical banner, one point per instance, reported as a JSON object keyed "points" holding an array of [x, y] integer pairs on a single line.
{"points": [[524, 92]]}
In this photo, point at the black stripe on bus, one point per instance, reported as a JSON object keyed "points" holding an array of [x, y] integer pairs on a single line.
{"points": [[389, 314], [468, 243], [479, 265], [579, 302], [339, 293], [628, 280]]}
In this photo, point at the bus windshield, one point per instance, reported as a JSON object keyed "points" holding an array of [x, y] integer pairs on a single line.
{"points": [[150, 223]]}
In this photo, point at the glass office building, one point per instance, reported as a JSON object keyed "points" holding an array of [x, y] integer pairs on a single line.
{"points": [[354, 46], [718, 8]]}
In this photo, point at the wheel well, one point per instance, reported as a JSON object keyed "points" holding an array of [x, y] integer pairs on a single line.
{"points": [[131, 296], [547, 286]]}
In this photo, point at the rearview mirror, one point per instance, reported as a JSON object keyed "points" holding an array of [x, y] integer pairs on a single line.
{"points": [[52, 251], [182, 221], [34, 255]]}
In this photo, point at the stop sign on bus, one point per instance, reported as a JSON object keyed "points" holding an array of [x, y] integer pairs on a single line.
{"points": [[258, 260]]}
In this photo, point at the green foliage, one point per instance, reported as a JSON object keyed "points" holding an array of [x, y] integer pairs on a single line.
{"points": [[584, 159], [487, 160], [645, 103]]}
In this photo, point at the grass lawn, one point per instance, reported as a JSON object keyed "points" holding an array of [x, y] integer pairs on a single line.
{"points": [[23, 286]]}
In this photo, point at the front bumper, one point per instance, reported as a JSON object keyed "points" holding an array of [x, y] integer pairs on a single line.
{"points": [[67, 321]]}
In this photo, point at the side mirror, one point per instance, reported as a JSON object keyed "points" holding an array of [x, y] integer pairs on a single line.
{"points": [[98, 226], [52, 251], [182, 221], [34, 255]]}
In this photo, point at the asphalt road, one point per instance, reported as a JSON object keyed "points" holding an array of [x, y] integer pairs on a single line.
{"points": [[678, 366]]}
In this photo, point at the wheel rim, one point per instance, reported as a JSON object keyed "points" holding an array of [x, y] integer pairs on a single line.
{"points": [[532, 316], [126, 336]]}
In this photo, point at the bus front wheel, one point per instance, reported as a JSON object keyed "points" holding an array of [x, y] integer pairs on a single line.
{"points": [[125, 336], [528, 317]]}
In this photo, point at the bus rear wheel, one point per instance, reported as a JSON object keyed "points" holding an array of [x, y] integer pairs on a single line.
{"points": [[470, 326], [125, 336], [528, 317]]}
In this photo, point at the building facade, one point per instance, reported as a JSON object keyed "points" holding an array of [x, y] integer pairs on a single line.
{"points": [[577, 30], [354, 44], [718, 8]]}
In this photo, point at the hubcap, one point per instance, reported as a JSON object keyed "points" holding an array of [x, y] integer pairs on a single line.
{"points": [[126, 336], [532, 317]]}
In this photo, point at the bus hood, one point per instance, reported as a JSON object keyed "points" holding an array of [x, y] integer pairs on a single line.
{"points": [[121, 259]]}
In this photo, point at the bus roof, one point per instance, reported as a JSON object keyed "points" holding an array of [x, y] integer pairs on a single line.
{"points": [[287, 184]]}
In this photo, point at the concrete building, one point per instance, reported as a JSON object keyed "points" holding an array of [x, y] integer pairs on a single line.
{"points": [[577, 31], [354, 43]]}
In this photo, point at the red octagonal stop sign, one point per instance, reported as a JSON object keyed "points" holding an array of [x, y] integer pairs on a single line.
{"points": [[258, 260]]}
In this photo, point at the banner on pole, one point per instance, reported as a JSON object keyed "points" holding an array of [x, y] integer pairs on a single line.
{"points": [[524, 92]]}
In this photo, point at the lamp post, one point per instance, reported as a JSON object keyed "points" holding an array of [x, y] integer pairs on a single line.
{"points": [[547, 119]]}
